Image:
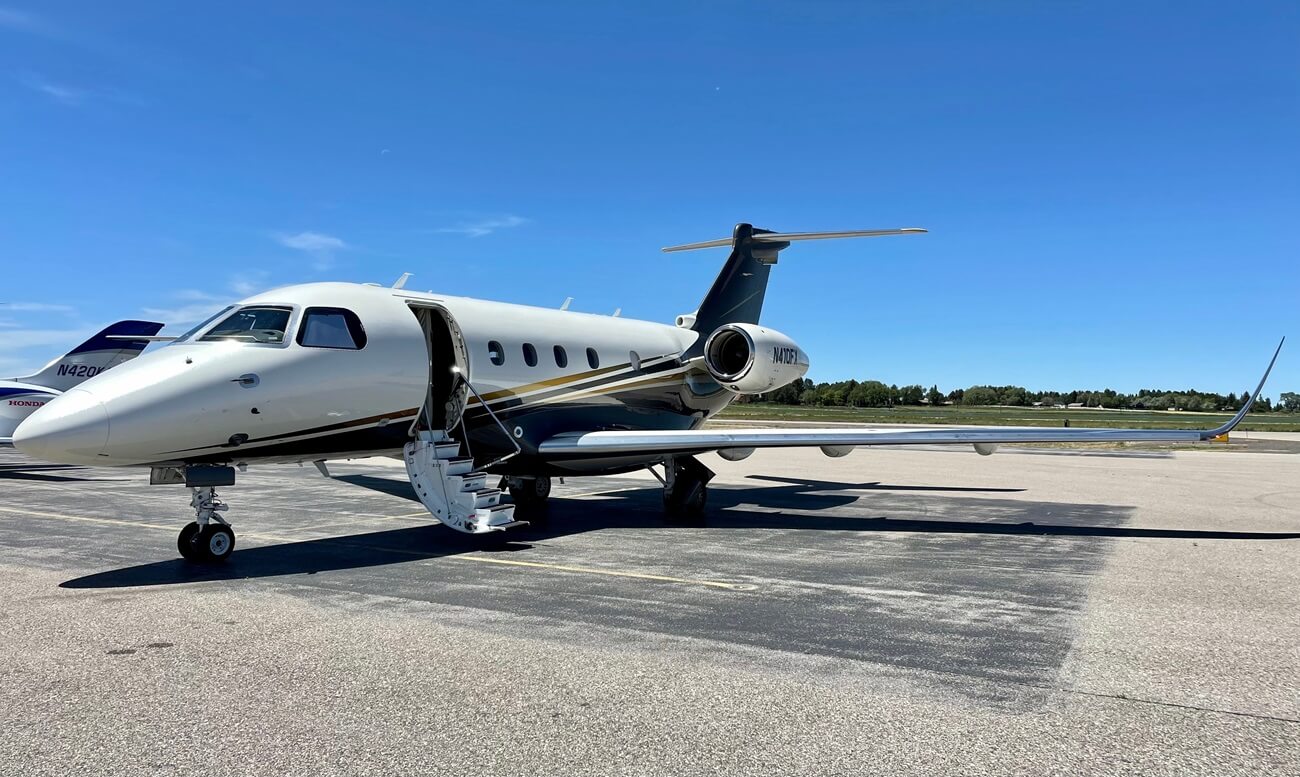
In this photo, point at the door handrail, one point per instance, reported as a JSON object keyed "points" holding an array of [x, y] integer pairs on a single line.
{"points": [[460, 377]]}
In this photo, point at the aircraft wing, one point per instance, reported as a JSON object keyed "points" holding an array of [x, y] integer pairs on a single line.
{"points": [[614, 443]]}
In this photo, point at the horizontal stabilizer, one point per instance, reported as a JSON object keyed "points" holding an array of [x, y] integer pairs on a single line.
{"points": [[148, 339], [790, 237]]}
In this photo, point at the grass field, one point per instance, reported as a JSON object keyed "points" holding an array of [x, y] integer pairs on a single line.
{"points": [[1009, 416]]}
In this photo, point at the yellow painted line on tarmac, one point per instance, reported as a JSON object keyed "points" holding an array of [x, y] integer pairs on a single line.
{"points": [[480, 559], [83, 518], [606, 572], [121, 522]]}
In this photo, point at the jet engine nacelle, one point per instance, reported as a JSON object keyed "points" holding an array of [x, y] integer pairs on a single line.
{"points": [[750, 359]]}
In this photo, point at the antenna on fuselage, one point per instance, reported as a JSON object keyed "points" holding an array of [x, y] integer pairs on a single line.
{"points": [[567, 302], [400, 283], [617, 311]]}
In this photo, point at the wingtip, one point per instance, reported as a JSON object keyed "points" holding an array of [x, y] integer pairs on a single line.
{"points": [[1241, 414]]}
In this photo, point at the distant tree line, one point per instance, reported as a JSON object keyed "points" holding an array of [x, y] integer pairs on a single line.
{"points": [[873, 393]]}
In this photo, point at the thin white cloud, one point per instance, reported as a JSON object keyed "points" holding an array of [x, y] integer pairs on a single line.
{"points": [[194, 305], [194, 295], [23, 22], [484, 226], [37, 307], [248, 283], [312, 241], [22, 339], [182, 317], [60, 93], [14, 19], [320, 246]]}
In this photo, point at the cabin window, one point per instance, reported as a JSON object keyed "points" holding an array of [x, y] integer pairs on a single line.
{"points": [[496, 354], [593, 358], [634, 359], [530, 355], [254, 324], [561, 358], [331, 328]]}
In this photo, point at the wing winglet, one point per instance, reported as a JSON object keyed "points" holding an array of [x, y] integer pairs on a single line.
{"points": [[1236, 419]]}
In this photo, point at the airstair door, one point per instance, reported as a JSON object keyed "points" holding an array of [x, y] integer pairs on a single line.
{"points": [[446, 395]]}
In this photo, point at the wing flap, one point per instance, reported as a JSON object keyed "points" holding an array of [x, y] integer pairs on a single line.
{"points": [[626, 442]]}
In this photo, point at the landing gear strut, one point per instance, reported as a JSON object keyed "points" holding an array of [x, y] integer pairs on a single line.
{"points": [[685, 488], [209, 537]]}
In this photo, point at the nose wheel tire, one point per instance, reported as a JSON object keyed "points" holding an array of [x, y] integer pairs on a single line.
{"points": [[211, 543]]}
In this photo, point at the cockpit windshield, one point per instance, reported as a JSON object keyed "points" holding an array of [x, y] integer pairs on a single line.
{"points": [[199, 326], [253, 324]]}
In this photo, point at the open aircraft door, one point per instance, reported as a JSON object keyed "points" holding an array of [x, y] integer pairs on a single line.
{"points": [[447, 393]]}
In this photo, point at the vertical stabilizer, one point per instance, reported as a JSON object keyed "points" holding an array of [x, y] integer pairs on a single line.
{"points": [[105, 350], [736, 296]]}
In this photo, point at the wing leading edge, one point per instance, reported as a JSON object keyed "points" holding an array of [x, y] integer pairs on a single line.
{"points": [[696, 441]]}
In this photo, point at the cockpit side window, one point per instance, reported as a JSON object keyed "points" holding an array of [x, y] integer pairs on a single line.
{"points": [[331, 328], [252, 324]]}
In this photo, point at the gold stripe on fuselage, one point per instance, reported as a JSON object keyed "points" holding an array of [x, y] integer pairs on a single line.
{"points": [[518, 392], [666, 380], [548, 383]]}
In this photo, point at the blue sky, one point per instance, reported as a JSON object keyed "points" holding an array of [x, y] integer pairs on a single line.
{"points": [[1112, 189]]}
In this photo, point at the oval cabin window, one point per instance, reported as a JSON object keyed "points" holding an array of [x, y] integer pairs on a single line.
{"points": [[496, 354], [593, 358], [530, 355], [561, 358]]}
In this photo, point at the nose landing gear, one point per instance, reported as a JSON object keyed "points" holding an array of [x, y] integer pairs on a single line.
{"points": [[208, 537]]}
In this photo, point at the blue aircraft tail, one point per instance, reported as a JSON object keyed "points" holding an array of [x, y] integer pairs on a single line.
{"points": [[109, 348]]}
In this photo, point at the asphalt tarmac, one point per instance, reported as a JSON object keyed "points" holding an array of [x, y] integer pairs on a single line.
{"points": [[892, 612]]}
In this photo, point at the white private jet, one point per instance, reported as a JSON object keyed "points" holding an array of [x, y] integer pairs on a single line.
{"points": [[338, 370], [118, 343]]}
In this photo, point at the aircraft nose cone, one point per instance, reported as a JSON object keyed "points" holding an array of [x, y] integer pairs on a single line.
{"points": [[70, 429]]}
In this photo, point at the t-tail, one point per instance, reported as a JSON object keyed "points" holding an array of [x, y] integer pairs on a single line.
{"points": [[736, 296], [111, 347]]}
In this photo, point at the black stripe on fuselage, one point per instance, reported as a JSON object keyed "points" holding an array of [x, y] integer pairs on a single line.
{"points": [[401, 415]]}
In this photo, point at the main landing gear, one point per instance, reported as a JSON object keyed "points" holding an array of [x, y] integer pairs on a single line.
{"points": [[685, 488], [529, 495], [209, 537], [529, 492]]}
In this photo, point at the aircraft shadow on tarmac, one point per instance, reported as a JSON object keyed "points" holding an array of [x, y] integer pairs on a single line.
{"points": [[640, 508], [45, 473]]}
